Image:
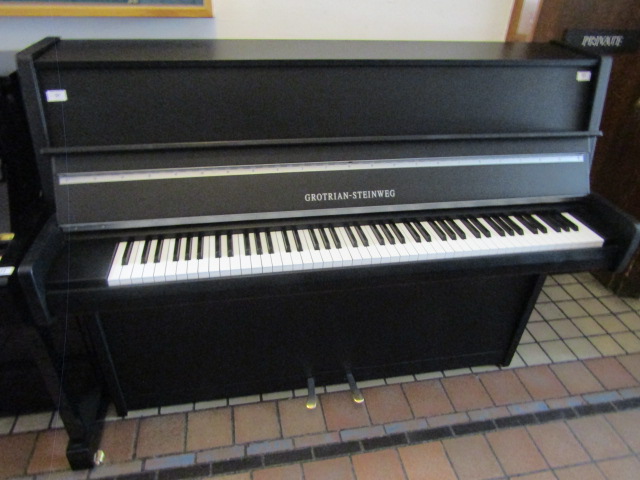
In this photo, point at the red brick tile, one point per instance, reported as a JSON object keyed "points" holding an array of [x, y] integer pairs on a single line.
{"points": [[427, 461], [576, 378], [541, 382], [621, 469], [49, 454], [296, 419], [516, 451], [427, 398], [548, 475], [380, 465], [118, 440], [627, 425], [580, 472], [472, 458], [15, 451], [256, 422], [597, 437], [504, 387], [466, 393], [209, 429], [333, 469], [611, 373], [288, 472], [161, 435], [341, 412], [632, 364], [387, 404], [557, 444]]}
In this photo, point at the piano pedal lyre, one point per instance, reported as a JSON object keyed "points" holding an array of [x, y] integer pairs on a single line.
{"points": [[356, 394], [312, 398]]}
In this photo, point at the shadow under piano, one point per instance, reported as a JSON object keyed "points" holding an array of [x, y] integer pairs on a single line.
{"points": [[234, 217]]}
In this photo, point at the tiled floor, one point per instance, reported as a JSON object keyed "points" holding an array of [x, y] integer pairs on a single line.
{"points": [[567, 408]]}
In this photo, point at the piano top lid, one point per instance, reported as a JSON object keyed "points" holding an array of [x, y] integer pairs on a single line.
{"points": [[89, 53]]}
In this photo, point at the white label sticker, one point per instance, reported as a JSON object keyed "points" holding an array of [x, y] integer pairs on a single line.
{"points": [[56, 95], [583, 76], [6, 271]]}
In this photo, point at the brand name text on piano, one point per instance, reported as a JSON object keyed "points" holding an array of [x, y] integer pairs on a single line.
{"points": [[354, 195]]}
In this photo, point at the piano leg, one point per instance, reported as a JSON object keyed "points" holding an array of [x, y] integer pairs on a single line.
{"points": [[524, 319], [81, 416]]}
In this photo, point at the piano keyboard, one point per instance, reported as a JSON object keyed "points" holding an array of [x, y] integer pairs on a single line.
{"points": [[257, 251]]}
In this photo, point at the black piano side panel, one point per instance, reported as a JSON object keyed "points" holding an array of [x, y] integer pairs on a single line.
{"points": [[218, 348]]}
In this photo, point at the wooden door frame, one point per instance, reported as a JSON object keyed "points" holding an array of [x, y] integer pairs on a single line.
{"points": [[524, 19]]}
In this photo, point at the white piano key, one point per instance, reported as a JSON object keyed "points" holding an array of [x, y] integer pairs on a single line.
{"points": [[171, 270], [343, 250], [267, 258], [136, 271], [256, 259], [204, 262], [245, 257], [149, 268], [296, 257], [307, 250], [161, 267], [192, 263], [116, 265], [214, 261], [235, 262], [181, 266], [279, 247]]}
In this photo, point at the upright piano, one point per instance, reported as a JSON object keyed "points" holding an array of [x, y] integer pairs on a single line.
{"points": [[234, 217]]}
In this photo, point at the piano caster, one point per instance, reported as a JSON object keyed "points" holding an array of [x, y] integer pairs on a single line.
{"points": [[356, 394], [99, 458], [312, 399]]}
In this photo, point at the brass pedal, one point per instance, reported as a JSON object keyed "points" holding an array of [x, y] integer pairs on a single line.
{"points": [[356, 394], [312, 398]]}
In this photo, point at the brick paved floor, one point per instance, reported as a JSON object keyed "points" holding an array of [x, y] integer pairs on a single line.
{"points": [[568, 407]]}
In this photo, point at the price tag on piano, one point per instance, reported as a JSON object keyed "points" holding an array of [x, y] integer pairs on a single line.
{"points": [[6, 271], [56, 96]]}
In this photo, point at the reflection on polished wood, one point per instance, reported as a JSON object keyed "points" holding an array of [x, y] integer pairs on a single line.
{"points": [[106, 9]]}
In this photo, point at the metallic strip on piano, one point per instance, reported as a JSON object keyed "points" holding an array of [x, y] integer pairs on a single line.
{"points": [[336, 166]]}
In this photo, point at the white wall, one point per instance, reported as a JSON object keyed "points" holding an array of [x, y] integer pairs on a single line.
{"points": [[463, 20]]}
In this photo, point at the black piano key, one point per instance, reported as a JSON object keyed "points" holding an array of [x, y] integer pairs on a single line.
{"points": [[568, 222], [454, 226], [377, 234], [412, 231], [314, 239], [324, 238], [422, 231], [541, 228], [218, 243], [334, 236], [446, 229], [176, 248], [247, 243], [351, 236], [259, 250], [145, 251], [396, 231], [507, 228], [363, 237], [471, 227], [385, 231], [270, 249], [479, 226], [285, 238], [188, 250], [126, 256], [200, 250], [157, 255], [526, 223], [438, 230], [551, 222], [493, 224], [296, 239], [516, 228], [229, 245]]}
